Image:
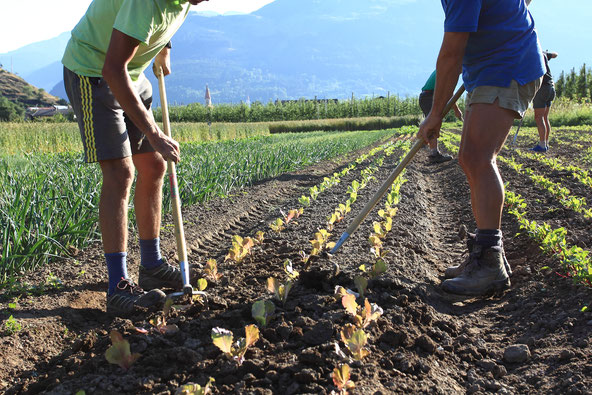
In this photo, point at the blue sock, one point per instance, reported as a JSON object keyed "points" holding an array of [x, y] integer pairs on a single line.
{"points": [[489, 238], [150, 253], [116, 268]]}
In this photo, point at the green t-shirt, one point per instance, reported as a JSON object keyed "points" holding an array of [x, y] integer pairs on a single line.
{"points": [[430, 84], [152, 22]]}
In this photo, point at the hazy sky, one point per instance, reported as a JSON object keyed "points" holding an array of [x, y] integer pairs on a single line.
{"points": [[44, 19]]}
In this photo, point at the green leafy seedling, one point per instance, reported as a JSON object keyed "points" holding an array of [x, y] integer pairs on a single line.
{"points": [[223, 339], [196, 389], [211, 271], [341, 379], [262, 311], [119, 353], [280, 291], [355, 340], [361, 283]]}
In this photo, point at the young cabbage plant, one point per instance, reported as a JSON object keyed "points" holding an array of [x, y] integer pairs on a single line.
{"points": [[314, 192], [262, 311], [160, 321], [292, 214], [277, 225], [355, 340], [289, 270], [280, 291], [240, 249], [304, 200], [259, 237], [363, 316], [211, 271], [223, 339], [361, 283], [119, 353], [341, 379], [196, 389], [201, 285]]}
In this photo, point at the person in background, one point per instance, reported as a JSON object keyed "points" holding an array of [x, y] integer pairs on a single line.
{"points": [[425, 103], [104, 64], [542, 104], [496, 45]]}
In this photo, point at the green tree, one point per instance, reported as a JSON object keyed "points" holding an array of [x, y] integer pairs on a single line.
{"points": [[581, 88], [560, 85], [10, 111]]}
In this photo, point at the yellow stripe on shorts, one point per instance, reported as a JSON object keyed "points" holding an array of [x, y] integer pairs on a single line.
{"points": [[87, 118]]}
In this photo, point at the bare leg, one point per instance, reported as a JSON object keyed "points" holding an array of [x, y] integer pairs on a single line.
{"points": [[547, 124], [485, 130], [148, 194], [539, 118], [118, 175]]}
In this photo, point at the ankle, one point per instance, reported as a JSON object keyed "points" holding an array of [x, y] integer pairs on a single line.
{"points": [[150, 253]]}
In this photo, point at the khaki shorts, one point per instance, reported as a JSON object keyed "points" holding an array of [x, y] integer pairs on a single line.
{"points": [[515, 97], [106, 131]]}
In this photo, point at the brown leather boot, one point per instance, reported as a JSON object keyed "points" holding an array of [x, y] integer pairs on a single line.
{"points": [[484, 273]]}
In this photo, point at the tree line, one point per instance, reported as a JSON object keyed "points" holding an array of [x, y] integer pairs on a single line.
{"points": [[575, 85]]}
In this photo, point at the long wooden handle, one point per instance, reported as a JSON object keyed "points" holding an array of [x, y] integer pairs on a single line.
{"points": [[175, 199], [389, 181]]}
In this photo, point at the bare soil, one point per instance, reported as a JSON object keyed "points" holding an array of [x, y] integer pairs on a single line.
{"points": [[427, 341]]}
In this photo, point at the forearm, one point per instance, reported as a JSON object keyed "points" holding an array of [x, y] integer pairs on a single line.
{"points": [[448, 68], [121, 85]]}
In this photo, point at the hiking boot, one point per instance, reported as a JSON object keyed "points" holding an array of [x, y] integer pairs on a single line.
{"points": [[439, 157], [455, 271], [484, 274], [163, 276], [128, 296], [538, 148]]}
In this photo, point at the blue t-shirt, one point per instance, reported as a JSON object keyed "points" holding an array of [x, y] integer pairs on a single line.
{"points": [[503, 44]]}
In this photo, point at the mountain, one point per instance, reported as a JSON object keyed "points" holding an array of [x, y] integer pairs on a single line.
{"points": [[305, 48], [18, 91]]}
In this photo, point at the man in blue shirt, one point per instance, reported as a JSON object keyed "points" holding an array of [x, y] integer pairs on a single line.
{"points": [[495, 43]]}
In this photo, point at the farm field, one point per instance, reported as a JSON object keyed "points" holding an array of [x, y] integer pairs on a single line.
{"points": [[535, 338]]}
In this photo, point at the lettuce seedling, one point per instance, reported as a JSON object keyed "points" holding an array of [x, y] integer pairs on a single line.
{"points": [[363, 316], [304, 200], [259, 237], [355, 340], [340, 292], [160, 322], [223, 338], [262, 311], [277, 225], [240, 249], [119, 353], [196, 389], [314, 192], [290, 272], [211, 271], [280, 291], [292, 214], [341, 379], [361, 284]]}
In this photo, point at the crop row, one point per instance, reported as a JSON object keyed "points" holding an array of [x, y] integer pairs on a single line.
{"points": [[579, 174], [562, 194], [353, 335], [575, 261], [49, 203]]}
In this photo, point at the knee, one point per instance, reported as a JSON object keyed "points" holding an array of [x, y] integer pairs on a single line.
{"points": [[117, 175], [473, 162], [153, 169]]}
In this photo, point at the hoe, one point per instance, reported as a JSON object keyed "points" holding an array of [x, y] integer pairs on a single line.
{"points": [[387, 184], [175, 199]]}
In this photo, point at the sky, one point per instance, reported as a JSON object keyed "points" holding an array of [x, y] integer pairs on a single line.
{"points": [[47, 19]]}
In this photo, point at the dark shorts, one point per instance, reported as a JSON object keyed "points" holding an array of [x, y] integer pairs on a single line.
{"points": [[106, 131], [425, 101], [544, 96]]}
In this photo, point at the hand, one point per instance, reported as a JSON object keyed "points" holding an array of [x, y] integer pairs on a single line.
{"points": [[430, 128], [165, 146], [162, 60]]}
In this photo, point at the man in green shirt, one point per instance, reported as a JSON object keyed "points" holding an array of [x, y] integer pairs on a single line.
{"points": [[104, 64], [426, 97]]}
